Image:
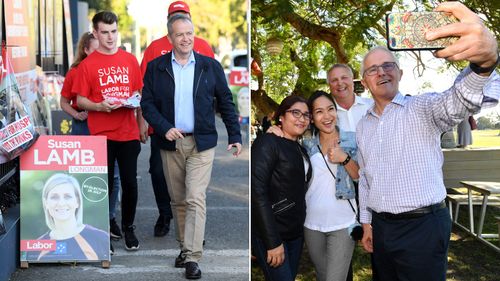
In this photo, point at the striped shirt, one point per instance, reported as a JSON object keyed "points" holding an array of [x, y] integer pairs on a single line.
{"points": [[400, 156]]}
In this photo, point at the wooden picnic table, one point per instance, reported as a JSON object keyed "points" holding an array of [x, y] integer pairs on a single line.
{"points": [[486, 189]]}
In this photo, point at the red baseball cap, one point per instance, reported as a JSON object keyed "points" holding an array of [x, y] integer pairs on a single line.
{"points": [[178, 6]]}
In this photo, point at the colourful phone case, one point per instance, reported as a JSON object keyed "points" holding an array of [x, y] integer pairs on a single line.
{"points": [[406, 31]]}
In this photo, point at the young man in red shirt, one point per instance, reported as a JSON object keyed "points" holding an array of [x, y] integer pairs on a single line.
{"points": [[157, 48], [107, 79]]}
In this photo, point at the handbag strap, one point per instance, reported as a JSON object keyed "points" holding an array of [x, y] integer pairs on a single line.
{"points": [[328, 166]]}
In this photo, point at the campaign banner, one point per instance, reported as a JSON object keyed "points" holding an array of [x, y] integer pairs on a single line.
{"points": [[17, 131], [64, 200], [238, 84]]}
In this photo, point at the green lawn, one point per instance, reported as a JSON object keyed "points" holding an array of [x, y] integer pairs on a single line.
{"points": [[468, 259], [485, 138]]}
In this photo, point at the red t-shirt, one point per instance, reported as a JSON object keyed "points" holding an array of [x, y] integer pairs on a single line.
{"points": [[162, 46], [115, 76], [68, 85]]}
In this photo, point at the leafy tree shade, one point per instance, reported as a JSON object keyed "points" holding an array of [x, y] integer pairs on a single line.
{"points": [[220, 18], [119, 7], [213, 19], [319, 33]]}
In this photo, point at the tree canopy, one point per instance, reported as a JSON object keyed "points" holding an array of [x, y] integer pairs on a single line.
{"points": [[318, 33], [213, 19]]}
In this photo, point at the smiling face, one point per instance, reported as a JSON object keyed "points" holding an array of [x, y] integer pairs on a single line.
{"points": [[324, 115], [341, 83], [62, 202], [383, 85], [182, 37], [292, 126]]}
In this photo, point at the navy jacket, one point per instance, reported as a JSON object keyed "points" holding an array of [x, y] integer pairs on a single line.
{"points": [[210, 83]]}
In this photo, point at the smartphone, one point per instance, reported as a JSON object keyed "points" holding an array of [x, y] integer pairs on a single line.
{"points": [[406, 31]]}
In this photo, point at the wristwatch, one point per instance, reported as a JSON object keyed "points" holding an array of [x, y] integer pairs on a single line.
{"points": [[479, 70], [348, 158]]}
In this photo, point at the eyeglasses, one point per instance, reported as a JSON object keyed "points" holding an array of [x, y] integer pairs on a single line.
{"points": [[298, 114], [386, 66]]}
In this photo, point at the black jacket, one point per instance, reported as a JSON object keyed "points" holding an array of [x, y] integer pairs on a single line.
{"points": [[157, 101], [278, 174]]}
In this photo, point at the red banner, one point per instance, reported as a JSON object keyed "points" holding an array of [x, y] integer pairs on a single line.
{"points": [[75, 154]]}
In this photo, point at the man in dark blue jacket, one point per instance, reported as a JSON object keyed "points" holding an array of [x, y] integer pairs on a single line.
{"points": [[178, 102]]}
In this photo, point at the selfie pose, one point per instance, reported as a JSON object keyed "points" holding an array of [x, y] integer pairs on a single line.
{"points": [[405, 220]]}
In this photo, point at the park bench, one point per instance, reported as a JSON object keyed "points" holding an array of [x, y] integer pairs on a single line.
{"points": [[498, 222], [470, 165], [457, 200]]}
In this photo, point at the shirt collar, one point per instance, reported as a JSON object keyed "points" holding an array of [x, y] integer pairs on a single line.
{"points": [[357, 100], [191, 58], [398, 99]]}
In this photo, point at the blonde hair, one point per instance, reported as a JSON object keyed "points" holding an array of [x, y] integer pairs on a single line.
{"points": [[57, 180], [83, 44]]}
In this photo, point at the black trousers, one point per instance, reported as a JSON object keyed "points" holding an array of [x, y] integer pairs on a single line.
{"points": [[411, 249], [158, 180], [126, 153]]}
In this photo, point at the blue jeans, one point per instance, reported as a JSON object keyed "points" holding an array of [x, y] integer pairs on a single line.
{"points": [[286, 271]]}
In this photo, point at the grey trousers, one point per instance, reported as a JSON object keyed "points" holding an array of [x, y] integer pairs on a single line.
{"points": [[330, 252]]}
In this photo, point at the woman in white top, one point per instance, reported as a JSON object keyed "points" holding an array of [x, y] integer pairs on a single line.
{"points": [[330, 210]]}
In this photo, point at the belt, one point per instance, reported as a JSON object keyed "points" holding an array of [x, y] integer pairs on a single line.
{"points": [[187, 134], [412, 214]]}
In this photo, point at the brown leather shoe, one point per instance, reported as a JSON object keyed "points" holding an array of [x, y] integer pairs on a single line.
{"points": [[192, 270]]}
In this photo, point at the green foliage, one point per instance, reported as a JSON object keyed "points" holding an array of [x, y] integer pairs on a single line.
{"points": [[322, 33], [119, 7], [316, 34], [220, 18]]}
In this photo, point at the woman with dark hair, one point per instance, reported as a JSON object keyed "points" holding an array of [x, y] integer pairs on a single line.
{"points": [[331, 212], [281, 171]]}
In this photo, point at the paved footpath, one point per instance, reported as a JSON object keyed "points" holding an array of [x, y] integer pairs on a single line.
{"points": [[226, 251]]}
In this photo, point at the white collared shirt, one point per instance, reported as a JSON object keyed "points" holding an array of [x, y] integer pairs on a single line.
{"points": [[347, 119]]}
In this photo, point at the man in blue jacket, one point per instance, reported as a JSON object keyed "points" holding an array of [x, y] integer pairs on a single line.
{"points": [[178, 102]]}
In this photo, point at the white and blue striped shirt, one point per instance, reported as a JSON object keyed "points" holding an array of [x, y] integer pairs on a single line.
{"points": [[400, 155]]}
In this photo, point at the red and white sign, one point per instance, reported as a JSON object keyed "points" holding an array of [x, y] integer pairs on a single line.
{"points": [[75, 154], [38, 245], [238, 77]]}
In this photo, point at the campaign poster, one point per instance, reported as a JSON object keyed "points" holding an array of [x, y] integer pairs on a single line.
{"points": [[238, 83], [17, 132], [64, 200]]}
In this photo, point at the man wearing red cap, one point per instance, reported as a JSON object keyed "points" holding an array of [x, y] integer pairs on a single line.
{"points": [[157, 48]]}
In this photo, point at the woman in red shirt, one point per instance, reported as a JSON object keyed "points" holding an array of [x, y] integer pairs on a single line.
{"points": [[86, 46]]}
